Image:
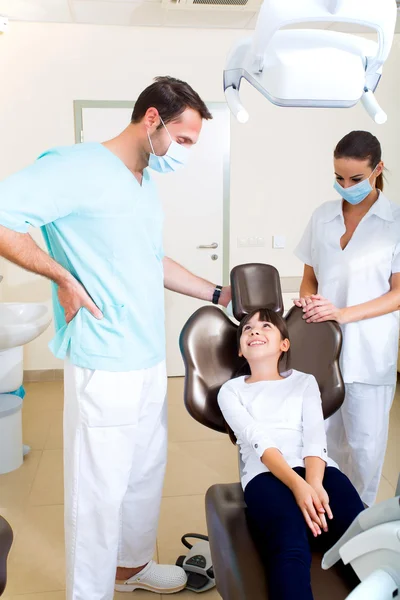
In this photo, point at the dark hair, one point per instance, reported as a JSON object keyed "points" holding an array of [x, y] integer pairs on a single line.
{"points": [[171, 97], [361, 145], [269, 316]]}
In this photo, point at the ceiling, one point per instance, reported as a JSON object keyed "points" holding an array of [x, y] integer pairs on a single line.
{"points": [[147, 13]]}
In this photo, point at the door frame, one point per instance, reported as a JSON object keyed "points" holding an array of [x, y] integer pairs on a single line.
{"points": [[79, 105]]}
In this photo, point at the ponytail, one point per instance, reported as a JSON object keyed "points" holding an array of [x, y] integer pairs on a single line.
{"points": [[379, 182]]}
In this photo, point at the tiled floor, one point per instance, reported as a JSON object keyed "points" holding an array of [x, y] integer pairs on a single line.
{"points": [[31, 498]]}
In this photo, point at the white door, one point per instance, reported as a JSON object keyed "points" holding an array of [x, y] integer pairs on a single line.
{"points": [[193, 199]]}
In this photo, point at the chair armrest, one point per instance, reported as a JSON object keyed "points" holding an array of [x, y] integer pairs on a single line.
{"points": [[238, 570]]}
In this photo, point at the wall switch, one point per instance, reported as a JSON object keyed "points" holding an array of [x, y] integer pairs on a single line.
{"points": [[250, 242], [278, 241]]}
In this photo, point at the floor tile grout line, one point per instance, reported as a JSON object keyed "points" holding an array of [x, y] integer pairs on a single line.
{"points": [[16, 596], [34, 477], [389, 482]]}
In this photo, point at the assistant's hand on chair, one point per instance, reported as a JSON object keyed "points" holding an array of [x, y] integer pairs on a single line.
{"points": [[320, 309], [302, 302]]}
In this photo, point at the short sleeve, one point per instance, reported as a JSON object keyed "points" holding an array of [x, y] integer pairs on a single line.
{"points": [[396, 259], [303, 249], [39, 194]]}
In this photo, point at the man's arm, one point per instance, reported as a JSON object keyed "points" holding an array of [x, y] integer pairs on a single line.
{"points": [[178, 279], [40, 194], [20, 249]]}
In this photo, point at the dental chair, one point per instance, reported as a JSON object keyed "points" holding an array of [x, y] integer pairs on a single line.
{"points": [[313, 67], [6, 538], [209, 349]]}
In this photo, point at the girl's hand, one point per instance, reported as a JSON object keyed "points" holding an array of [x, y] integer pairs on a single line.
{"points": [[324, 500], [320, 309], [302, 302], [310, 505]]}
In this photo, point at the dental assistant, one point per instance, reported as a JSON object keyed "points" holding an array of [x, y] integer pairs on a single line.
{"points": [[351, 251], [102, 223]]}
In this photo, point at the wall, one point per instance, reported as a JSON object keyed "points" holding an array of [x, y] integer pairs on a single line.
{"points": [[281, 163]]}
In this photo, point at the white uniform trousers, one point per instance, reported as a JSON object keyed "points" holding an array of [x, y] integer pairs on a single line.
{"points": [[115, 444], [357, 435]]}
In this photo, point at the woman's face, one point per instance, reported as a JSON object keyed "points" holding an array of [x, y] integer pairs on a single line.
{"points": [[350, 171]]}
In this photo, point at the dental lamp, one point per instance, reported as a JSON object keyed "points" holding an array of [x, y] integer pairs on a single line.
{"points": [[318, 68]]}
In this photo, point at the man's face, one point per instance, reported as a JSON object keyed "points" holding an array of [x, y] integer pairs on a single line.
{"points": [[185, 130]]}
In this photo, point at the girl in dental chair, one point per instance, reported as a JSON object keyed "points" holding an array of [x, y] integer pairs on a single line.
{"points": [[295, 494]]}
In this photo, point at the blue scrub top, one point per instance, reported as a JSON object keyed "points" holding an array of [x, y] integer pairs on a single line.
{"points": [[105, 228]]}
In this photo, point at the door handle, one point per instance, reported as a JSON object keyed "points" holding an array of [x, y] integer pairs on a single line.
{"points": [[212, 246]]}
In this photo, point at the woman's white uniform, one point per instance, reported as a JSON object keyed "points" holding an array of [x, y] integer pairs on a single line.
{"points": [[357, 433]]}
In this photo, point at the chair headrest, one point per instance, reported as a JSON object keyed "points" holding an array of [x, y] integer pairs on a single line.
{"points": [[255, 285]]}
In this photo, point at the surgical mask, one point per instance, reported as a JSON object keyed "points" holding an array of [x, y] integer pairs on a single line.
{"points": [[175, 157], [356, 193]]}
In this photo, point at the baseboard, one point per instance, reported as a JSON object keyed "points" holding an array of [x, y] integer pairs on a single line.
{"points": [[43, 375]]}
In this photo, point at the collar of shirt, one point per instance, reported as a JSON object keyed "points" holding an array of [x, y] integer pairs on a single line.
{"points": [[381, 208]]}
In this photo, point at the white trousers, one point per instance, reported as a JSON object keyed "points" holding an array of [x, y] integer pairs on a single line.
{"points": [[357, 435], [115, 442]]}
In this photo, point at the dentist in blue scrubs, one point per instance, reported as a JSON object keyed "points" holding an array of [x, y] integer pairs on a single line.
{"points": [[102, 223]]}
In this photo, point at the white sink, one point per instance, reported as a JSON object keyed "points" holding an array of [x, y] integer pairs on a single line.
{"points": [[21, 323]]}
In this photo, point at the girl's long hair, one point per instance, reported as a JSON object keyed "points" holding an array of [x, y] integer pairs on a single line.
{"points": [[266, 315]]}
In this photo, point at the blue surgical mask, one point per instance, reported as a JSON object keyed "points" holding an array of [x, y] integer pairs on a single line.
{"points": [[175, 157], [356, 193]]}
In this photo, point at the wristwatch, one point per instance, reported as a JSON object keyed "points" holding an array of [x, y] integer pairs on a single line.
{"points": [[217, 293]]}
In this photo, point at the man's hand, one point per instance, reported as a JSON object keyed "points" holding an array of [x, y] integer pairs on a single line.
{"points": [[320, 309], [225, 296], [73, 296]]}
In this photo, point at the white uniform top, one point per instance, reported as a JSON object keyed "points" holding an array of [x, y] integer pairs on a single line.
{"points": [[284, 414], [357, 274]]}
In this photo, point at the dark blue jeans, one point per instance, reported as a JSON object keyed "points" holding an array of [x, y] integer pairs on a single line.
{"points": [[283, 536]]}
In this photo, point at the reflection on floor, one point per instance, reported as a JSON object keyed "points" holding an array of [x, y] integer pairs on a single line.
{"points": [[31, 498]]}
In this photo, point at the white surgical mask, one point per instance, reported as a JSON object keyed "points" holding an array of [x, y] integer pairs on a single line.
{"points": [[355, 193], [175, 157]]}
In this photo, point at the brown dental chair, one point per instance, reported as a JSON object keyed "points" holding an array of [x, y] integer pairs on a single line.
{"points": [[209, 350], [6, 538]]}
